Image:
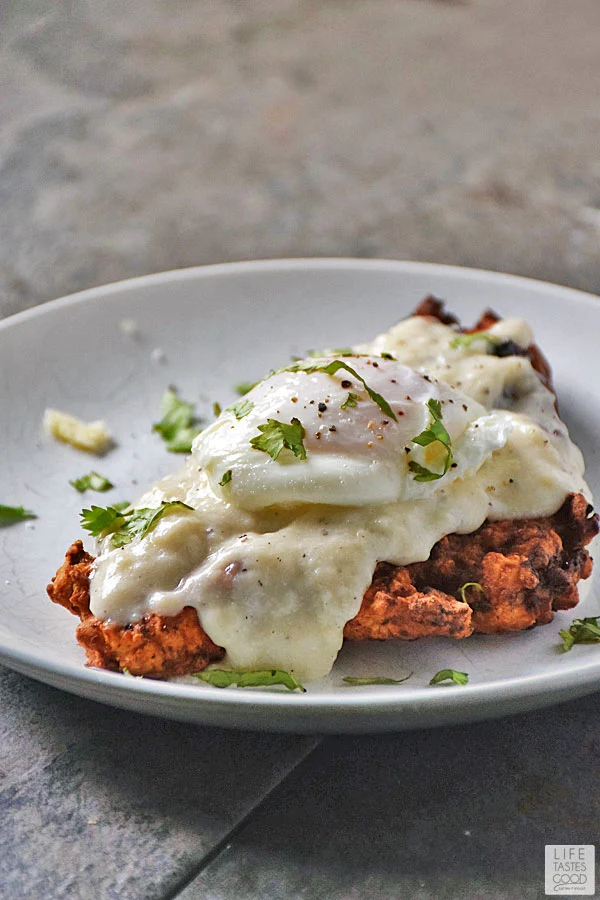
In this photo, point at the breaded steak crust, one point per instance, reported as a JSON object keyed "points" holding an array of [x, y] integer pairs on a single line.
{"points": [[156, 646], [523, 569], [519, 571]]}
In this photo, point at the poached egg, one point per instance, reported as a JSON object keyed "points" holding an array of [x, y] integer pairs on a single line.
{"points": [[357, 428]]}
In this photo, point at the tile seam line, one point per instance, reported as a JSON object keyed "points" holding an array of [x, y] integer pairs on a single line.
{"points": [[221, 845]]}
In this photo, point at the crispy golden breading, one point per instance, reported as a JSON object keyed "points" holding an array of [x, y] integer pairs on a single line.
{"points": [[522, 571], [156, 646], [393, 608], [527, 568]]}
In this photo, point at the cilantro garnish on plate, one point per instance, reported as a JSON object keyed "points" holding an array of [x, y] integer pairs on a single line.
{"points": [[223, 678], [448, 676], [331, 368], [11, 514], [276, 436], [376, 679], [351, 400], [244, 387], [241, 408], [469, 584], [92, 482], [465, 340], [122, 525], [179, 424], [340, 351], [581, 631], [435, 432]]}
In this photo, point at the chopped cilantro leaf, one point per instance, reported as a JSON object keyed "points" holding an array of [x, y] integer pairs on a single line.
{"points": [[469, 584], [360, 682], [241, 408], [581, 631], [331, 368], [388, 356], [244, 387], [276, 436], [435, 432], [100, 520], [217, 409], [226, 478], [342, 351], [350, 400], [92, 482], [11, 514], [465, 340], [179, 424], [124, 526], [223, 678], [445, 675], [129, 674], [121, 505]]}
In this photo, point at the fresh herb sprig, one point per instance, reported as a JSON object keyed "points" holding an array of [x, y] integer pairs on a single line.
{"points": [[435, 432], [445, 676], [465, 340], [276, 436], [351, 400], [91, 482], [244, 387], [223, 678], [179, 424], [340, 351], [331, 368], [241, 408], [11, 514], [122, 525], [581, 631], [470, 584], [377, 679]]}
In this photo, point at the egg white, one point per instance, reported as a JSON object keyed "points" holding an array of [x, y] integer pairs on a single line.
{"points": [[355, 455]]}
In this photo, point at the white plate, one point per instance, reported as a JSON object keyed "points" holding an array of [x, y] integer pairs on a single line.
{"points": [[216, 326]]}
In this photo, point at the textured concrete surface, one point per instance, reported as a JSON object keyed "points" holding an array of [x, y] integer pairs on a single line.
{"points": [[439, 815], [98, 803], [149, 135], [143, 136]]}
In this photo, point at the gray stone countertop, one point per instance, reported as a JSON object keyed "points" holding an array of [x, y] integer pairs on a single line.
{"points": [[152, 135]]}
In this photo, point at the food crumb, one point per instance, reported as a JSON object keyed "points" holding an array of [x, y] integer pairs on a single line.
{"points": [[158, 355], [92, 437], [129, 327]]}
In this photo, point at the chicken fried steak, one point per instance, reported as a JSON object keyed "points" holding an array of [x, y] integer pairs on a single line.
{"points": [[523, 569], [508, 575]]}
